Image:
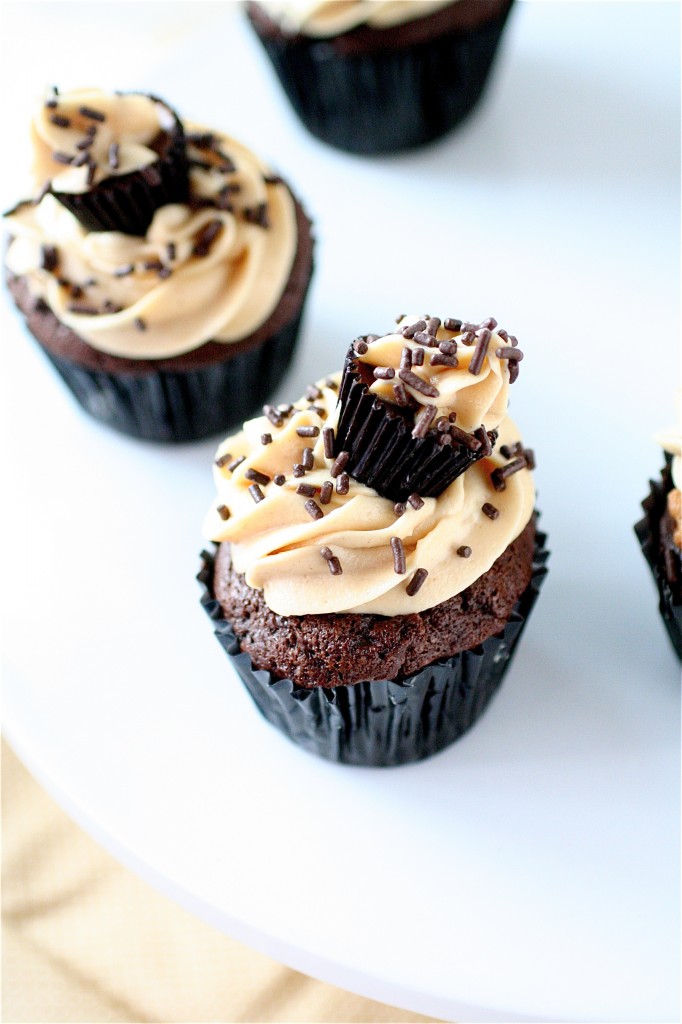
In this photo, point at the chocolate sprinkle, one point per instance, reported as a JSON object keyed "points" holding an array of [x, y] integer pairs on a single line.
{"points": [[440, 359], [306, 489], [399, 508], [279, 479], [509, 353], [223, 511], [75, 307], [236, 463], [308, 458], [451, 324], [298, 470], [480, 351], [93, 115], [464, 551], [384, 372], [468, 440], [62, 158], [361, 347], [312, 392], [339, 464], [257, 476], [256, 493], [313, 509], [307, 431], [499, 475], [334, 566], [399, 562], [328, 441], [411, 329], [415, 501], [343, 484], [510, 450], [406, 359], [60, 121], [424, 420], [273, 415], [416, 582], [140, 323], [266, 439], [401, 396], [223, 460], [207, 237], [257, 215], [49, 258], [490, 511], [422, 386], [326, 553], [418, 357], [114, 162], [326, 492]]}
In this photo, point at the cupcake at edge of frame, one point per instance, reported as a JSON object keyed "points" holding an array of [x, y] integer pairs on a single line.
{"points": [[660, 534], [161, 265], [381, 76], [373, 631]]}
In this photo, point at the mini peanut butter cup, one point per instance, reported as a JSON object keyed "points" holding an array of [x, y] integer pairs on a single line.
{"points": [[127, 202], [391, 448]]}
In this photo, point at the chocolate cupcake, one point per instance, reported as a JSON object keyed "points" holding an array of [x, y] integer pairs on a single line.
{"points": [[183, 330], [660, 535], [371, 631], [384, 76]]}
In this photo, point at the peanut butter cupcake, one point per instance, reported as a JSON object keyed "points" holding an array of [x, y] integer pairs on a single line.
{"points": [[162, 267], [370, 629]]}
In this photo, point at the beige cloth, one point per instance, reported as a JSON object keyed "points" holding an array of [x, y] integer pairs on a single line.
{"points": [[85, 940]]}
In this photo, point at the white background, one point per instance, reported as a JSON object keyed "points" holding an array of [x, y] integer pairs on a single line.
{"points": [[531, 870]]}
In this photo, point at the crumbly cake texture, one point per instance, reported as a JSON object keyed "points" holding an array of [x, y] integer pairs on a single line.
{"points": [[656, 534], [338, 650], [385, 90]]}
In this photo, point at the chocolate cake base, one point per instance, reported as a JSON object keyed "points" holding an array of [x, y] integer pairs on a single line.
{"points": [[654, 533], [384, 721], [373, 91], [187, 397]]}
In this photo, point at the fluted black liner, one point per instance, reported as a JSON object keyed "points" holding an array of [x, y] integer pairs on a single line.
{"points": [[127, 202], [384, 455], [382, 723], [388, 100], [184, 405], [648, 534]]}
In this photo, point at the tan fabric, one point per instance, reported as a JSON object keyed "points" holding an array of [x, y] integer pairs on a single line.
{"points": [[84, 940]]}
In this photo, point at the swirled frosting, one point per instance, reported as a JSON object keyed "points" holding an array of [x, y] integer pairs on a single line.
{"points": [[332, 17], [283, 544], [88, 128], [213, 269], [470, 378]]}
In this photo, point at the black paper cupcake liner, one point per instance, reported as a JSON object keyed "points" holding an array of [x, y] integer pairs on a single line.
{"points": [[649, 536], [390, 99], [184, 405], [128, 202], [382, 723], [382, 452]]}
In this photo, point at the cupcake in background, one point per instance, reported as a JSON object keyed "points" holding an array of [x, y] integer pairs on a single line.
{"points": [[162, 267], [380, 76], [370, 630], [660, 534]]}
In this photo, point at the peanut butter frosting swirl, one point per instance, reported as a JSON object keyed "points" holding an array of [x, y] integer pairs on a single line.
{"points": [[465, 370], [210, 270], [85, 135], [332, 17], [316, 541]]}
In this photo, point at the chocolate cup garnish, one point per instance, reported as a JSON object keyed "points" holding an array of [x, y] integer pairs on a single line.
{"points": [[382, 450], [128, 202]]}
